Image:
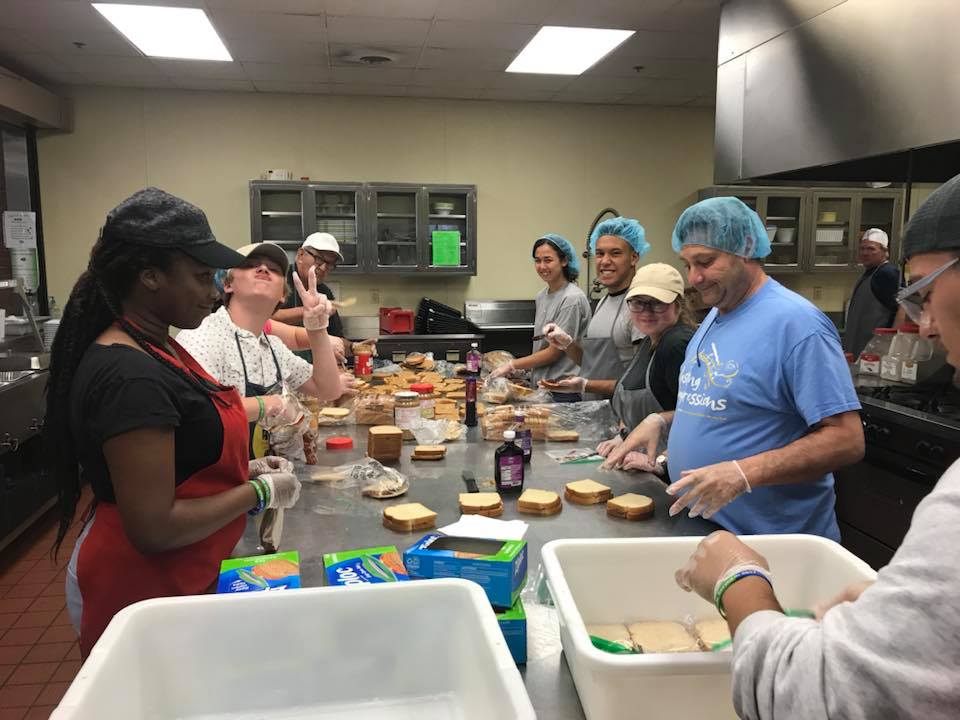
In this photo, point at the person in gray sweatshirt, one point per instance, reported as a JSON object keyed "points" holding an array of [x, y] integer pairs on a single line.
{"points": [[890, 649]]}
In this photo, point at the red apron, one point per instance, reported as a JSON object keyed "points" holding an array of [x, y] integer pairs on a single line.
{"points": [[112, 574]]}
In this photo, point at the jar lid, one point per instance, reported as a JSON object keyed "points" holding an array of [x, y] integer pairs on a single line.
{"points": [[509, 435], [885, 331], [422, 388], [870, 357], [339, 443], [405, 395], [910, 328], [849, 356]]}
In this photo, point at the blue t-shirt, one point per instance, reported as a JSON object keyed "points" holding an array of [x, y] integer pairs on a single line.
{"points": [[757, 379]]}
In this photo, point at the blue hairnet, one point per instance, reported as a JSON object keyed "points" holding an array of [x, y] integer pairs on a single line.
{"points": [[563, 246], [219, 277], [724, 223], [627, 229]]}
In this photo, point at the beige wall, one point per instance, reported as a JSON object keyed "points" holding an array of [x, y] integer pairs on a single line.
{"points": [[538, 166]]}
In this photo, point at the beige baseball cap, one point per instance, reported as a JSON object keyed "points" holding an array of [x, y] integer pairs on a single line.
{"points": [[270, 250], [323, 241], [657, 280]]}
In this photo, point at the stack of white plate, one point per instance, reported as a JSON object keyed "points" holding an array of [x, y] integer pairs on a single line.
{"points": [[49, 331]]}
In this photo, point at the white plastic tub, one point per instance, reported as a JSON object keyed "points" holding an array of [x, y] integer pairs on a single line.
{"points": [[624, 581], [417, 651]]}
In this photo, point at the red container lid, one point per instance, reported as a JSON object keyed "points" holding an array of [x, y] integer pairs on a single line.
{"points": [[885, 331], [870, 357], [422, 388], [339, 443], [910, 328], [849, 356]]}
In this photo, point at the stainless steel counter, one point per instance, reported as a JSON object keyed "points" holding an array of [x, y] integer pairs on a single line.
{"points": [[328, 520]]}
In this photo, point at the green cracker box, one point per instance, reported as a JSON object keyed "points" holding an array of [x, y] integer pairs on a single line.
{"points": [[363, 567], [279, 571]]}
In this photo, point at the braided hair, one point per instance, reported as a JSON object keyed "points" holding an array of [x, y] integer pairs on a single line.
{"points": [[96, 303]]}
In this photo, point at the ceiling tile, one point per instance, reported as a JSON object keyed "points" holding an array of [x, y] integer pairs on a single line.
{"points": [[203, 69], [382, 90], [613, 14], [657, 99], [533, 82], [377, 31], [511, 11], [40, 17], [109, 66], [12, 42], [697, 16], [41, 63], [404, 57], [607, 85], [473, 58], [624, 66], [284, 72], [132, 82], [598, 99], [105, 43], [380, 76], [306, 7], [275, 50], [463, 34], [204, 84], [516, 94], [459, 93], [297, 88], [455, 78], [648, 43], [415, 9], [286, 28]]}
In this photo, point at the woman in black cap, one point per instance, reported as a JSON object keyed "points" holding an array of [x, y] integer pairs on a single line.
{"points": [[887, 649], [163, 446]]}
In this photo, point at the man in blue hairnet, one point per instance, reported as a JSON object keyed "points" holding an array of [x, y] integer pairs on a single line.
{"points": [[766, 408], [617, 245]]}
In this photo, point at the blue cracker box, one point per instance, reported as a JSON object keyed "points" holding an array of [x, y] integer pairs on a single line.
{"points": [[498, 566], [279, 571], [513, 625], [363, 567]]}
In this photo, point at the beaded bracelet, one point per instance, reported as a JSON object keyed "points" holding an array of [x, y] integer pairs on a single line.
{"points": [[725, 585], [258, 489], [263, 408]]}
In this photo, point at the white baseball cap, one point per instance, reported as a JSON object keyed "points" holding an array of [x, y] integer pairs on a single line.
{"points": [[878, 236], [323, 241]]}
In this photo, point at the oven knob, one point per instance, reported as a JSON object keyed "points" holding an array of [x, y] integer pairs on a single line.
{"points": [[923, 448], [936, 452], [883, 432]]}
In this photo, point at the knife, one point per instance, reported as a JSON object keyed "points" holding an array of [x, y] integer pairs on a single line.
{"points": [[470, 481]]}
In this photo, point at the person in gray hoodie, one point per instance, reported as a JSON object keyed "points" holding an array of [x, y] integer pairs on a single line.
{"points": [[887, 649]]}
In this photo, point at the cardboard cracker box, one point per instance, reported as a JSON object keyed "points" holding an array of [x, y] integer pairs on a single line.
{"points": [[513, 625], [364, 567], [279, 571]]}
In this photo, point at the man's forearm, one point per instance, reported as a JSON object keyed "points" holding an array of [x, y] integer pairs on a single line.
{"points": [[601, 387], [326, 372], [835, 443], [291, 316], [575, 353]]}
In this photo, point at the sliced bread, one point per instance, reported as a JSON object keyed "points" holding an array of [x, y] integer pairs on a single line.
{"points": [[662, 637], [334, 412], [539, 502], [614, 633], [563, 435], [408, 517], [712, 632], [630, 506], [488, 503], [587, 492]]}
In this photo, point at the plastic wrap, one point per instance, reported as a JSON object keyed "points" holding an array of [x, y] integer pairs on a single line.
{"points": [[290, 433], [518, 393], [371, 409], [437, 432], [494, 359], [494, 391], [593, 420]]}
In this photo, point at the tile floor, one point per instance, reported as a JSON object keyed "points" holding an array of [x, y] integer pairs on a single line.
{"points": [[39, 655]]}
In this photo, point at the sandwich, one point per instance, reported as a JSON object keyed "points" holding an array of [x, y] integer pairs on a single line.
{"points": [[630, 506], [586, 492], [662, 637], [408, 517], [539, 502]]}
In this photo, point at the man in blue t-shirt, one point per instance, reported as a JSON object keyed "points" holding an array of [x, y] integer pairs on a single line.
{"points": [[766, 408]]}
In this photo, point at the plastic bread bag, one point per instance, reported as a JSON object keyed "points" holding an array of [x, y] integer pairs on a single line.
{"points": [[495, 391], [593, 420], [373, 478], [519, 393], [494, 359], [429, 432], [271, 529], [341, 413], [389, 368], [372, 409], [287, 428]]}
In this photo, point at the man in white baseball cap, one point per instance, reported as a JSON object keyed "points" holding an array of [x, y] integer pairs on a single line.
{"points": [[873, 303]]}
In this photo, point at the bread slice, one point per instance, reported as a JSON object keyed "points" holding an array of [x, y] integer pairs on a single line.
{"points": [[614, 633], [488, 503], [408, 517], [563, 435], [712, 632], [429, 452], [539, 502], [662, 637], [587, 492], [630, 506], [384, 442], [457, 395], [334, 412]]}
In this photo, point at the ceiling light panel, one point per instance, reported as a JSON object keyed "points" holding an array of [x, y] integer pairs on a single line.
{"points": [[166, 32], [558, 50]]}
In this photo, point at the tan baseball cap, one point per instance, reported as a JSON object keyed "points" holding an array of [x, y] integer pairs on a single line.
{"points": [[657, 280], [323, 241], [270, 250]]}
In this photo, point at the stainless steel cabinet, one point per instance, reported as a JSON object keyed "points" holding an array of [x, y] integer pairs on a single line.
{"points": [[818, 229], [392, 228]]}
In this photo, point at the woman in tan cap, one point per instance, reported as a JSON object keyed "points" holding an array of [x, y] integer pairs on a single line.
{"points": [[649, 385]]}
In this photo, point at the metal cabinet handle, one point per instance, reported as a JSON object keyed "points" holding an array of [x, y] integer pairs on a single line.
{"points": [[36, 425], [9, 443]]}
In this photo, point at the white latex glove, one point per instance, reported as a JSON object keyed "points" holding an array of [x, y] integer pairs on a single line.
{"points": [[317, 307], [339, 351], [570, 385], [635, 461], [718, 556], [347, 383], [272, 405], [607, 446], [502, 370], [554, 335], [269, 464], [707, 489], [648, 434], [284, 489], [849, 594]]}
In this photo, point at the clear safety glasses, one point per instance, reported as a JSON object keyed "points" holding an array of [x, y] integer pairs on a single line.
{"points": [[912, 297]]}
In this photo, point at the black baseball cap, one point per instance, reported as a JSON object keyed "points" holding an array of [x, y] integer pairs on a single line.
{"points": [[935, 226], [154, 218]]}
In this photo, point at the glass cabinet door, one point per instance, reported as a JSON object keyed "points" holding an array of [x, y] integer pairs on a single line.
{"points": [[281, 213], [833, 235], [336, 211], [446, 229], [395, 228], [783, 218]]}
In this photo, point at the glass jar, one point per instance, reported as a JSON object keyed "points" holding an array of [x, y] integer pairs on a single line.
{"points": [[901, 347], [406, 411], [879, 345], [917, 366], [427, 399]]}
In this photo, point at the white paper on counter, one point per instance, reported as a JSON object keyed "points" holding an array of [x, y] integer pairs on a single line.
{"points": [[480, 526]]}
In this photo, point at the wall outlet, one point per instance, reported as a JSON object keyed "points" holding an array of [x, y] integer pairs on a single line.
{"points": [[375, 297], [818, 293]]}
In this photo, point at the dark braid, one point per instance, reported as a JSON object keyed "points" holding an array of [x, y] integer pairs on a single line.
{"points": [[93, 306]]}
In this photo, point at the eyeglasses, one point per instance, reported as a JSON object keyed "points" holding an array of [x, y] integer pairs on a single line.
{"points": [[654, 306], [321, 259], [913, 296]]}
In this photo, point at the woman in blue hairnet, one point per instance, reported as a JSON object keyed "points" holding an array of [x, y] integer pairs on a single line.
{"points": [[562, 303]]}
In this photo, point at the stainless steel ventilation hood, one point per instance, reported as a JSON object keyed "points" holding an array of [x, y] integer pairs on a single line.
{"points": [[838, 90]]}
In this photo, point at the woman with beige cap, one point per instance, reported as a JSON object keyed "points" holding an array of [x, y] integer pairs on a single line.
{"points": [[649, 385]]}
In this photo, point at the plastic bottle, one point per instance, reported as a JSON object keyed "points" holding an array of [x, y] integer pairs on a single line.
{"points": [[914, 368], [508, 465], [876, 348], [473, 359], [470, 392], [524, 435], [901, 347], [53, 308]]}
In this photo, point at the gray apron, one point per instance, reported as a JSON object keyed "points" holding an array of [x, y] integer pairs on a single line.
{"points": [[601, 358], [631, 406], [864, 314]]}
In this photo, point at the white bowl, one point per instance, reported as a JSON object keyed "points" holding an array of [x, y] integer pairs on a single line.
{"points": [[785, 235]]}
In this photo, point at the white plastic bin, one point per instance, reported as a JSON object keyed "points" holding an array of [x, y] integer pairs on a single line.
{"points": [[417, 651], [624, 581]]}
